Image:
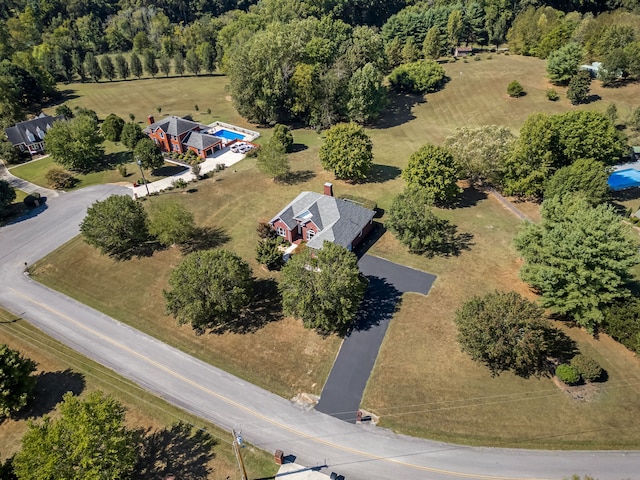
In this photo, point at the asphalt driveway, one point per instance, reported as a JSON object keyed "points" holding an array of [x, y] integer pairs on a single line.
{"points": [[343, 391]]}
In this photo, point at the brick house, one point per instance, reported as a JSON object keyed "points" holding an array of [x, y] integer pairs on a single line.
{"points": [[175, 134], [29, 136], [315, 217]]}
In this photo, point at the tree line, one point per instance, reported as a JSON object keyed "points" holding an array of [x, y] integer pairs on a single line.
{"points": [[316, 53]]}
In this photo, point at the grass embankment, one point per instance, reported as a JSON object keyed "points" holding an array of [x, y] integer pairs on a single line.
{"points": [[61, 369], [420, 368]]}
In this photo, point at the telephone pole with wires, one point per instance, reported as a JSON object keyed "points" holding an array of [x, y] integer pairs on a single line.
{"points": [[237, 445]]}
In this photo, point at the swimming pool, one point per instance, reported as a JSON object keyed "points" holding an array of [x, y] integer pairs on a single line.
{"points": [[229, 135], [623, 179]]}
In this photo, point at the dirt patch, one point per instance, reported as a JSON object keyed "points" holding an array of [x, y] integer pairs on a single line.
{"points": [[581, 393]]}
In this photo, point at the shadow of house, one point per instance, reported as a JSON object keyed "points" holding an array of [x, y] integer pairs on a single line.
{"points": [[180, 450]]}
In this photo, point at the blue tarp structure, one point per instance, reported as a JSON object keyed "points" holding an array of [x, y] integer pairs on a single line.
{"points": [[623, 179]]}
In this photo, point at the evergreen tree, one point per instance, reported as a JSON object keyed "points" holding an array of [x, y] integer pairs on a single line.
{"points": [[578, 258], [107, 67], [121, 66], [136, 65]]}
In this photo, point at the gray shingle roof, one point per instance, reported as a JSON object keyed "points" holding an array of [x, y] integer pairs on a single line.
{"points": [[201, 141], [176, 126], [340, 221], [31, 131]]}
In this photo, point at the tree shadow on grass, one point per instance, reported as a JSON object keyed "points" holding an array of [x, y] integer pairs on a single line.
{"points": [[381, 300], [266, 307], [399, 110], [470, 197], [559, 346], [180, 450], [298, 147], [168, 170], [112, 160], [382, 173], [452, 243], [49, 390], [205, 238], [299, 176]]}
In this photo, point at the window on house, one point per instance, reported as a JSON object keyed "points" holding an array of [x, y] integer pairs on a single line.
{"points": [[174, 147], [310, 233], [280, 231], [161, 134]]}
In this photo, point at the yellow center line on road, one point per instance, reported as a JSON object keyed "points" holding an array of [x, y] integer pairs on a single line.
{"points": [[253, 412]]}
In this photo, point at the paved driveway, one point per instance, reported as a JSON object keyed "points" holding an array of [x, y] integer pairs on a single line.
{"points": [[343, 391]]}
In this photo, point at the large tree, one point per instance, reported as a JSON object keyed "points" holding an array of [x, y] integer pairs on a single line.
{"points": [[585, 176], [76, 144], [16, 381], [7, 195], [412, 220], [419, 77], [107, 67], [578, 258], [579, 88], [549, 142], [323, 288], [368, 95], [435, 170], [481, 152], [148, 154], [563, 63], [88, 441], [504, 331], [117, 226], [111, 128], [170, 222], [209, 289], [131, 134], [282, 136], [136, 65], [273, 161], [347, 151]]}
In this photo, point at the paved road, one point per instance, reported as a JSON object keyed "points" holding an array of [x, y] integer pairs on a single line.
{"points": [[342, 394], [23, 185], [268, 421]]}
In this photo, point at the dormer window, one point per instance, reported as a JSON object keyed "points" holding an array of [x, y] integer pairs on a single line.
{"points": [[30, 135]]}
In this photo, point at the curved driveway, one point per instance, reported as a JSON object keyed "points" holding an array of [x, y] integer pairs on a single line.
{"points": [[266, 420]]}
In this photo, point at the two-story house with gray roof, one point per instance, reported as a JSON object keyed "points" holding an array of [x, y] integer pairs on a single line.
{"points": [[29, 136], [175, 134], [315, 217]]}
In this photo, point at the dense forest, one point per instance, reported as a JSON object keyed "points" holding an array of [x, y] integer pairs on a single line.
{"points": [[311, 62]]}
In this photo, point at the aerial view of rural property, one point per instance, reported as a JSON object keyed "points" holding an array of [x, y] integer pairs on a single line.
{"points": [[320, 239]]}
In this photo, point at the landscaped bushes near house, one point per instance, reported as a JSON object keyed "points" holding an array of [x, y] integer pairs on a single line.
{"points": [[361, 201], [567, 374]]}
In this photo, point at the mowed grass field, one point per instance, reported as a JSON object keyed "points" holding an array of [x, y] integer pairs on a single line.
{"points": [[61, 369], [421, 384]]}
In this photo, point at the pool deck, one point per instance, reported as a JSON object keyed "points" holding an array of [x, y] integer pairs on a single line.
{"points": [[623, 166]]}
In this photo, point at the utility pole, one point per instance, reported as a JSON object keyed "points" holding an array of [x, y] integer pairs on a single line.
{"points": [[139, 162], [237, 445]]}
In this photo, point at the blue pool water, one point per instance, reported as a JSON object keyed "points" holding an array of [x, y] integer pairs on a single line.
{"points": [[228, 135], [623, 179]]}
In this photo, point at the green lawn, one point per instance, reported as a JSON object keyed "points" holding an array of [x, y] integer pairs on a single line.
{"points": [[439, 392], [63, 368]]}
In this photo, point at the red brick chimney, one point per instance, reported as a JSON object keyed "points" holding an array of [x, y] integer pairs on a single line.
{"points": [[150, 119], [328, 189]]}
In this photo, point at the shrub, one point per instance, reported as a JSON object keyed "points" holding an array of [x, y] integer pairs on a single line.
{"points": [[476, 59], [515, 89], [622, 322], [265, 231], [59, 178], [363, 202], [268, 253], [32, 200], [122, 169], [567, 374], [418, 77], [587, 367], [180, 183], [552, 95]]}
